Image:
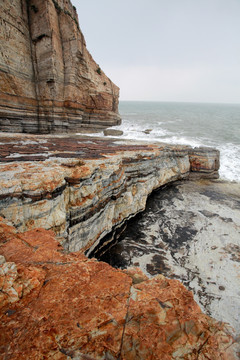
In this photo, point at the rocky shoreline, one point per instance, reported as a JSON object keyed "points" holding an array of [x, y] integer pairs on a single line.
{"points": [[61, 195], [57, 304], [189, 231]]}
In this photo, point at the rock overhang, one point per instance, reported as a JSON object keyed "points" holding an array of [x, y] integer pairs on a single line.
{"points": [[81, 187]]}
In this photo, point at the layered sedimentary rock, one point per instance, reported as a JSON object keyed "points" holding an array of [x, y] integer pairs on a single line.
{"points": [[48, 80], [59, 306], [82, 188], [203, 161]]}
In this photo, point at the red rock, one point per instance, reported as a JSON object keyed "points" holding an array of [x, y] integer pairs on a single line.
{"points": [[136, 274], [67, 306]]}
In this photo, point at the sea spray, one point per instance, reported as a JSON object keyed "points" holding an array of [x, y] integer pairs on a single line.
{"points": [[214, 125]]}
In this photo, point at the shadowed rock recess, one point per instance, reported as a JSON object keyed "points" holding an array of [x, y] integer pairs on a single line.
{"points": [[49, 83], [61, 305]]}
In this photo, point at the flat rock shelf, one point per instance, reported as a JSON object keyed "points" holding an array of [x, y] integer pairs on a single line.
{"points": [[190, 231]]}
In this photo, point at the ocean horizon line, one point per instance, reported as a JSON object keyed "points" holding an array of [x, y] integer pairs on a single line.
{"points": [[178, 102]]}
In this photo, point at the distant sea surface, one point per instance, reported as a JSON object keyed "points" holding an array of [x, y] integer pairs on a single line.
{"points": [[195, 124]]}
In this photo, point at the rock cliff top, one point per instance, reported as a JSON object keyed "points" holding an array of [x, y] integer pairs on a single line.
{"points": [[49, 82]]}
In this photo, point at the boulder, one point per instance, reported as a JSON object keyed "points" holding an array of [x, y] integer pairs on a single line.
{"points": [[112, 132], [147, 131]]}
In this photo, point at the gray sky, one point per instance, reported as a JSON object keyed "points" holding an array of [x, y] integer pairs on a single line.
{"points": [[166, 50]]}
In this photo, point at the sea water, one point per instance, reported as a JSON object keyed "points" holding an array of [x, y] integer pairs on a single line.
{"points": [[195, 124]]}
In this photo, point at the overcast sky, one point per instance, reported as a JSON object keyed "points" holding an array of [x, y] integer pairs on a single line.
{"points": [[166, 50]]}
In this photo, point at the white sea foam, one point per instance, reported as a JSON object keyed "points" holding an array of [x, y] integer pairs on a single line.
{"points": [[229, 153], [183, 141], [214, 125], [230, 162], [137, 132]]}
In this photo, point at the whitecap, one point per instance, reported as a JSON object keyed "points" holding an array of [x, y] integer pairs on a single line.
{"points": [[183, 141], [230, 162]]}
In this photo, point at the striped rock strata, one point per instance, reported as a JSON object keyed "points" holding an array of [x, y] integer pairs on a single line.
{"points": [[61, 306], [82, 188], [49, 83]]}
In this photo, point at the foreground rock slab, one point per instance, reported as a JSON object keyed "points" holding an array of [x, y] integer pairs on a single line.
{"points": [[56, 305]]}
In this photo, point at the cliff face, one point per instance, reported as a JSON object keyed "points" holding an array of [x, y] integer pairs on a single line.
{"points": [[83, 187], [48, 80]]}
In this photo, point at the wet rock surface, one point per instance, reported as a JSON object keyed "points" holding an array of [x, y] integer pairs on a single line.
{"points": [[190, 231]]}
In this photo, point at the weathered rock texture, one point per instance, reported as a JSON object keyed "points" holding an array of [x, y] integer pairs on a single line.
{"points": [[59, 306], [49, 83], [84, 187], [202, 161]]}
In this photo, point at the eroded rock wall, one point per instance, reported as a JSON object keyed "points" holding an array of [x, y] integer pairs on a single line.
{"points": [[84, 187], [49, 82]]}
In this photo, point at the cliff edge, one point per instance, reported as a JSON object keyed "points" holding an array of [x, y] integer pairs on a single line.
{"points": [[49, 82], [83, 187]]}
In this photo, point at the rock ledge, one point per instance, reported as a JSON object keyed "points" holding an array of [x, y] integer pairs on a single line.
{"points": [[82, 187]]}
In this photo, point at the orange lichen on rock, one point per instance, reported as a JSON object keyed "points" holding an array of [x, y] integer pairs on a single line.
{"points": [[56, 305]]}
